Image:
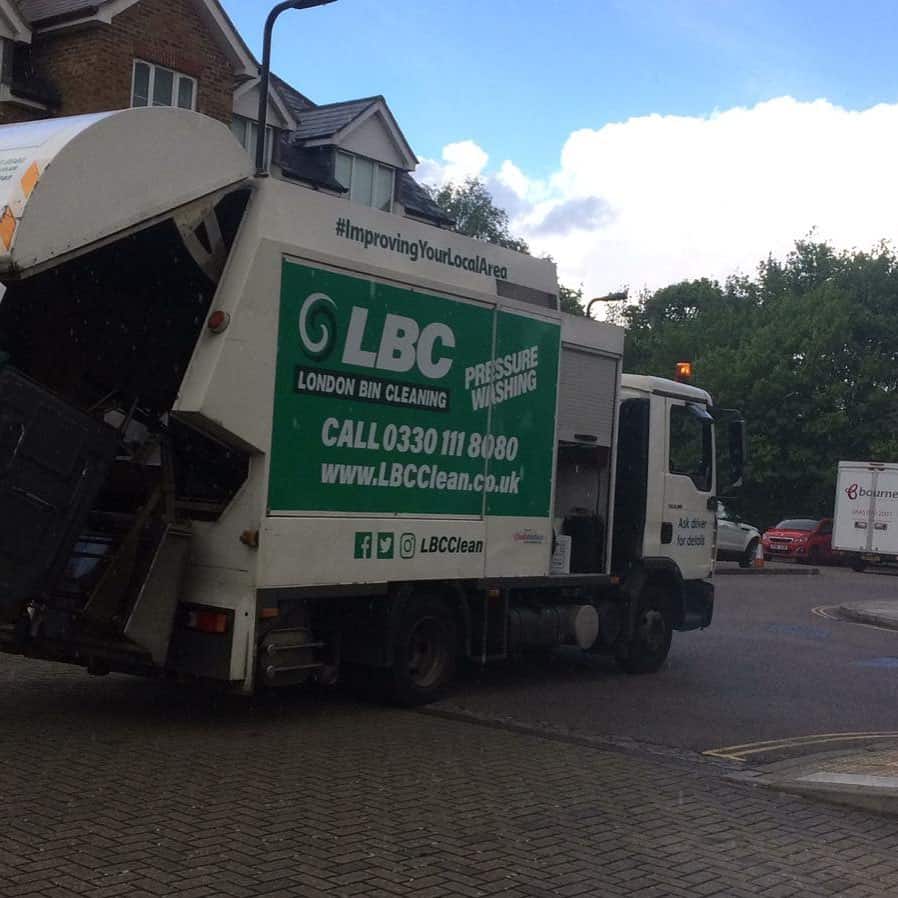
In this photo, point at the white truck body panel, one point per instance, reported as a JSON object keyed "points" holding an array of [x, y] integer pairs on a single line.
{"points": [[232, 378], [866, 508]]}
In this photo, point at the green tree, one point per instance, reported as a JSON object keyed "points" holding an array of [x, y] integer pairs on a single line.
{"points": [[571, 300], [807, 350], [475, 214]]}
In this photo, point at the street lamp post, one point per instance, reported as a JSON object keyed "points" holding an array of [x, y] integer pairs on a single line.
{"points": [[611, 297], [265, 76]]}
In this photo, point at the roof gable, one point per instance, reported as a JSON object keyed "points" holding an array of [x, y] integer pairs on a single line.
{"points": [[370, 137], [40, 10], [326, 121], [52, 14], [12, 24], [364, 126], [246, 104]]}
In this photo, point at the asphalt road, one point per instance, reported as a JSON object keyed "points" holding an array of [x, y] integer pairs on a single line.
{"points": [[768, 668]]}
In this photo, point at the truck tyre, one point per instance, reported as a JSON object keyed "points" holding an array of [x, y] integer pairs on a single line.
{"points": [[424, 652], [650, 643], [748, 556], [858, 565]]}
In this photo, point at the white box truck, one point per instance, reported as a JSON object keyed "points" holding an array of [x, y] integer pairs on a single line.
{"points": [[865, 520], [254, 433]]}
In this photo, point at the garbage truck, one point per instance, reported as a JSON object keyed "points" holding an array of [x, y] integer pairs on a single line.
{"points": [[255, 433]]}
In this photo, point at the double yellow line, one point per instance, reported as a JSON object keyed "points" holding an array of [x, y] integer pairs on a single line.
{"points": [[741, 753]]}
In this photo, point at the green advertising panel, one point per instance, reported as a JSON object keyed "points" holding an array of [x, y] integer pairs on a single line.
{"points": [[388, 400]]}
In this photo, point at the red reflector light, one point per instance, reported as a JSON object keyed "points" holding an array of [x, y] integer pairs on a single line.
{"points": [[207, 621], [218, 321]]}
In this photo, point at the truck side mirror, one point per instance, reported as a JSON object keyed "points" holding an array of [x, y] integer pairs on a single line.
{"points": [[736, 434]]}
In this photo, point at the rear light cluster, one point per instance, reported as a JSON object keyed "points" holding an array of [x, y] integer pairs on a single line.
{"points": [[207, 621]]}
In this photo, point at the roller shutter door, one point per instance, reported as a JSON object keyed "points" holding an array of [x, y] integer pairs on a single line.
{"points": [[589, 382]]}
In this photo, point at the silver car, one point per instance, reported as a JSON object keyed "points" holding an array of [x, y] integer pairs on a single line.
{"points": [[736, 541]]}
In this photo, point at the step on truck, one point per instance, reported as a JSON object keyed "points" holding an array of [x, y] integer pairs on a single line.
{"points": [[257, 434]]}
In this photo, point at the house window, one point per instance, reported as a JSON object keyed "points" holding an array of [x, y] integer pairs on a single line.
{"points": [[368, 182], [153, 85], [247, 132]]}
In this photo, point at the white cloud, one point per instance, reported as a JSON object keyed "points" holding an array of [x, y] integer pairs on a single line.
{"points": [[461, 160], [657, 199], [513, 178]]}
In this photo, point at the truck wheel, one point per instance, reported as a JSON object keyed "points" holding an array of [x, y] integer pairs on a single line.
{"points": [[858, 566], [424, 652], [650, 643], [748, 556]]}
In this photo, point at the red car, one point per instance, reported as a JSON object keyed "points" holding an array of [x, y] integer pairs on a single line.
{"points": [[800, 539]]}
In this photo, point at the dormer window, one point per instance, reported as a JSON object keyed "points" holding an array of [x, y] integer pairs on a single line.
{"points": [[367, 182]]}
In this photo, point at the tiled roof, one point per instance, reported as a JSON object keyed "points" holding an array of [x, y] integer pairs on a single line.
{"points": [[325, 121], [417, 201], [313, 165], [38, 10], [297, 102]]}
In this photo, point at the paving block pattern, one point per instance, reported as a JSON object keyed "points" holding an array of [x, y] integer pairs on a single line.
{"points": [[119, 786]]}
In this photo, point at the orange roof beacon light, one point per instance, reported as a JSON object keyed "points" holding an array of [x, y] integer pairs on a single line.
{"points": [[684, 372]]}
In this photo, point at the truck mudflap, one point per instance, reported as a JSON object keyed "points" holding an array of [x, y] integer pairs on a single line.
{"points": [[698, 604], [53, 462]]}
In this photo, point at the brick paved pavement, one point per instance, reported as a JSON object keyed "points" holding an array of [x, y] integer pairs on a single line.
{"points": [[124, 787]]}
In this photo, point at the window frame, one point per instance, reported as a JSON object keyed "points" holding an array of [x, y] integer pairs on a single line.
{"points": [[702, 480], [375, 167], [177, 78], [250, 138]]}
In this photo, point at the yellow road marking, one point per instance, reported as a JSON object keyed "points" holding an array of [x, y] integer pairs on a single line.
{"points": [[741, 752], [824, 612]]}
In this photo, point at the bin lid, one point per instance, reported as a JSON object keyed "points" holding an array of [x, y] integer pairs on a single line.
{"points": [[66, 183]]}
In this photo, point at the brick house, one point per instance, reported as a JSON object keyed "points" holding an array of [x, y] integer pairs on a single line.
{"points": [[66, 57], [63, 57]]}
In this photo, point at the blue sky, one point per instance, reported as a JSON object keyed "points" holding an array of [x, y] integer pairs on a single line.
{"points": [[517, 76], [638, 142]]}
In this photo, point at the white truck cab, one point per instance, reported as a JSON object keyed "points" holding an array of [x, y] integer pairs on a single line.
{"points": [[665, 514]]}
